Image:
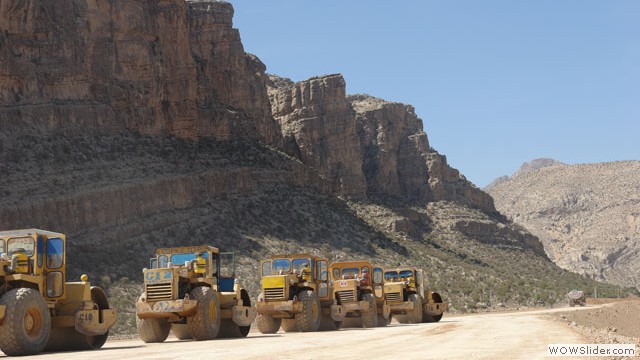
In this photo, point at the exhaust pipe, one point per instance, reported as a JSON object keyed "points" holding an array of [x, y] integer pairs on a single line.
{"points": [[14, 264]]}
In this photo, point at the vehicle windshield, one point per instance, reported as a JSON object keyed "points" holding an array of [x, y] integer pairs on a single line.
{"points": [[25, 244], [1, 246], [163, 261], [180, 259], [350, 273], [281, 266], [55, 253], [405, 274], [391, 276], [299, 264]]}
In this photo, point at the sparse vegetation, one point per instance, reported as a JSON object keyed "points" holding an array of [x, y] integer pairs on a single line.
{"points": [[262, 212]]}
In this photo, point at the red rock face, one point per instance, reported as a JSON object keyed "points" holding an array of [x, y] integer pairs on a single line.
{"points": [[159, 67]]}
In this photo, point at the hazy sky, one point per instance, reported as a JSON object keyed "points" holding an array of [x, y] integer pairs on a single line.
{"points": [[496, 83]]}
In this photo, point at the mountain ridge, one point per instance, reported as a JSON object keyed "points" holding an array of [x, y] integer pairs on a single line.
{"points": [[585, 215]]}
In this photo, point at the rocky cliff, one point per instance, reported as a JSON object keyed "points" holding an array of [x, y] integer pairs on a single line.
{"points": [[365, 145], [319, 127], [158, 67], [585, 215]]}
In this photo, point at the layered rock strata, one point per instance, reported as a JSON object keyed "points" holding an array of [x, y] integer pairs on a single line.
{"points": [[165, 67], [364, 145]]}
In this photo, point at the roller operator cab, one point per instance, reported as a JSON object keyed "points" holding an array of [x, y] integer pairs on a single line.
{"points": [[193, 292], [358, 288], [408, 299], [39, 310], [296, 295]]}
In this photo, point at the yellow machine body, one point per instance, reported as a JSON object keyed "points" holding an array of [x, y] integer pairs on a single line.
{"points": [[401, 283], [352, 280], [167, 287], [36, 259]]}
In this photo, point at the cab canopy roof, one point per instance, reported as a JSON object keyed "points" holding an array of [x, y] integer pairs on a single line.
{"points": [[29, 232], [348, 264], [187, 249], [291, 256], [406, 268]]}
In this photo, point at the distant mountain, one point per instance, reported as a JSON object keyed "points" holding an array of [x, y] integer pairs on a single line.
{"points": [[537, 164], [587, 216], [526, 168]]}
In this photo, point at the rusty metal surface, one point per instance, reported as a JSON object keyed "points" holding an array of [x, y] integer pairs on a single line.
{"points": [[401, 308], [88, 321], [166, 308], [290, 306], [244, 315], [435, 308]]}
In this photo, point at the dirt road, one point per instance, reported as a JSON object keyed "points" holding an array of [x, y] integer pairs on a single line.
{"points": [[522, 335]]}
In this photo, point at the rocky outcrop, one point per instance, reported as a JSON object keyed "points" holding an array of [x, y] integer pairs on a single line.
{"points": [[165, 67], [398, 159], [364, 145], [393, 144], [319, 127], [585, 215]]}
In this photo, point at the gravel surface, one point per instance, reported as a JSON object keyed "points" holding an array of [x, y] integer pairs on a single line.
{"points": [[617, 322]]}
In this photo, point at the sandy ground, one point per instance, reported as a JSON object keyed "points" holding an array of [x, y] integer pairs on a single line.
{"points": [[517, 335], [617, 322]]}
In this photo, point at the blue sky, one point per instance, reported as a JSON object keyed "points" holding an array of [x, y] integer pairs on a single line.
{"points": [[496, 83]]}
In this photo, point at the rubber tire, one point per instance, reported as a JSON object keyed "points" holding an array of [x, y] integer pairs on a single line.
{"points": [[229, 329], [14, 340], [153, 330], [267, 324], [289, 325], [309, 319], [99, 297], [402, 318], [431, 318], [370, 318], [328, 324], [243, 331], [201, 326], [415, 316], [352, 322], [181, 331], [382, 322]]}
